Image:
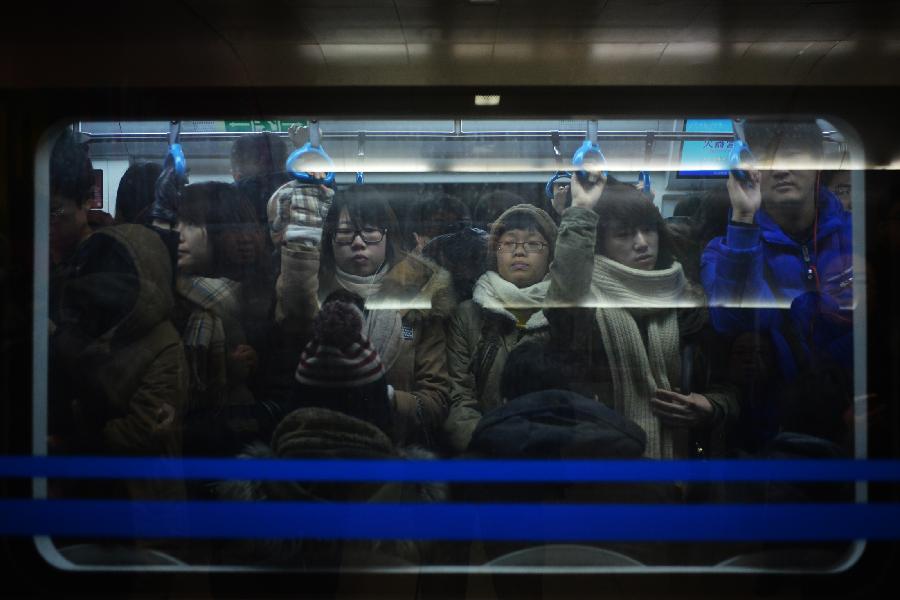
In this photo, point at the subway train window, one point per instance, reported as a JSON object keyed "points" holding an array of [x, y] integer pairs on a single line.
{"points": [[581, 345]]}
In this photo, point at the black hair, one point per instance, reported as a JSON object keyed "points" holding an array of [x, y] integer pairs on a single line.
{"points": [[437, 215], [687, 207], [491, 205], [71, 170], [136, 192], [219, 208], [626, 206], [764, 137], [365, 207], [531, 368], [265, 149]]}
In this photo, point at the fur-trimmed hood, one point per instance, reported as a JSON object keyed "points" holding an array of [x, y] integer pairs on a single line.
{"points": [[317, 433], [387, 492]]}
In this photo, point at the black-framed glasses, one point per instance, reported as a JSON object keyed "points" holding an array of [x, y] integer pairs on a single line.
{"points": [[531, 247], [369, 235]]}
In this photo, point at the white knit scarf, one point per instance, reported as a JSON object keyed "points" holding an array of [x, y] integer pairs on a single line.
{"points": [[498, 295], [383, 326], [621, 294]]}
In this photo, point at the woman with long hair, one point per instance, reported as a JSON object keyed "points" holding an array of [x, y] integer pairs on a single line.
{"points": [[223, 310]]}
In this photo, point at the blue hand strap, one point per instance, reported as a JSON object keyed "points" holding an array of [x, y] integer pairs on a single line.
{"points": [[548, 189], [588, 151], [303, 176], [178, 161], [740, 155], [175, 149], [644, 180]]}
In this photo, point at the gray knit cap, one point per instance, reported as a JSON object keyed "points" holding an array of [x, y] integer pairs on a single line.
{"points": [[542, 222]]}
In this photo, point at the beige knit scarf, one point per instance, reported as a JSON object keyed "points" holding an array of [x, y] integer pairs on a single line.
{"points": [[621, 294], [498, 295], [383, 326]]}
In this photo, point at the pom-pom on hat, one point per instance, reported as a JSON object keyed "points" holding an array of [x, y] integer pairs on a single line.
{"points": [[339, 355]]}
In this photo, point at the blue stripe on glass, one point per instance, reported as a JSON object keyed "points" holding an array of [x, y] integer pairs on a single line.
{"points": [[527, 522], [500, 471]]}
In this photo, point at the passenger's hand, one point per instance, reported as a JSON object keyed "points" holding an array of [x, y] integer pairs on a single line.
{"points": [[746, 197], [245, 359], [679, 410], [587, 196], [560, 198], [165, 419], [298, 137], [167, 195]]}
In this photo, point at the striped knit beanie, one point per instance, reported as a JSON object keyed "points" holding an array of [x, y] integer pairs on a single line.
{"points": [[339, 355]]}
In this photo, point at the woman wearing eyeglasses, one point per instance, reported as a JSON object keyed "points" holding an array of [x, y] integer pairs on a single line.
{"points": [[506, 308], [406, 298]]}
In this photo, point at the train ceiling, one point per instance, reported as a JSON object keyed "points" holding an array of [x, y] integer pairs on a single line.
{"points": [[450, 42]]}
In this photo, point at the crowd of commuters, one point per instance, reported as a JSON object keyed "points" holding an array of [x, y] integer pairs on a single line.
{"points": [[274, 317]]}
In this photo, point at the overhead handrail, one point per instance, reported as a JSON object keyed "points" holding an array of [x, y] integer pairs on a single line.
{"points": [[669, 136], [311, 151]]}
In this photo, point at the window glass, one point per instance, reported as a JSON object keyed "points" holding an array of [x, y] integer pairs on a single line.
{"points": [[469, 344]]}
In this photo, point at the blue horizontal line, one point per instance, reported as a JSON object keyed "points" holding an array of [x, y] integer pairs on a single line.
{"points": [[532, 522], [476, 471]]}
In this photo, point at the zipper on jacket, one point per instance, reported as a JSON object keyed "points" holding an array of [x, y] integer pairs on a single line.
{"points": [[810, 270]]}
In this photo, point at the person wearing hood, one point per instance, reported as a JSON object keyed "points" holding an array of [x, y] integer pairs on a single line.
{"points": [[506, 307], [119, 378], [339, 410], [629, 323], [72, 220], [406, 299]]}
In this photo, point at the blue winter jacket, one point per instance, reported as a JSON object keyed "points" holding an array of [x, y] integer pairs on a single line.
{"points": [[758, 278]]}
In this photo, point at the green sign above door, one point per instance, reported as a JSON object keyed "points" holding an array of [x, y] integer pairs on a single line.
{"points": [[270, 125]]}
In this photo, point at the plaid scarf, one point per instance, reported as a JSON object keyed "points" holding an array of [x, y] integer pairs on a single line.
{"points": [[204, 334]]}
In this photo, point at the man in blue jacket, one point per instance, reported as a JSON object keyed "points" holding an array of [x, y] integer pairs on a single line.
{"points": [[785, 265]]}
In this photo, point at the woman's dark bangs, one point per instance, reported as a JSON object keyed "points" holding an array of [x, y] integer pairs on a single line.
{"points": [[194, 207]]}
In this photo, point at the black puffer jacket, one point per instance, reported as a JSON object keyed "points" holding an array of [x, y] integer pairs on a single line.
{"points": [[559, 424], [556, 424]]}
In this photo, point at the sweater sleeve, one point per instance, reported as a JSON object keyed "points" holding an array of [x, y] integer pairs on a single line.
{"points": [[297, 288], [570, 280], [573, 260]]}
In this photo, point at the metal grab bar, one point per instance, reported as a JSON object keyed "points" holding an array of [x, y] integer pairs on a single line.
{"points": [[668, 136]]}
